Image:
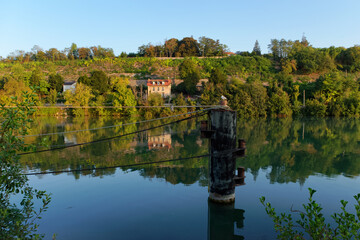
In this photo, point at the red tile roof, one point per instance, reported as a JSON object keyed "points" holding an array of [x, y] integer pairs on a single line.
{"points": [[158, 82]]}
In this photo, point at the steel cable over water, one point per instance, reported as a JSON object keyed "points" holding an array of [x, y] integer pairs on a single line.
{"points": [[114, 137], [131, 165]]}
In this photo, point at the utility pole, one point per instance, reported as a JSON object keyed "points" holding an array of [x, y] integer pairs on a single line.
{"points": [[304, 98]]}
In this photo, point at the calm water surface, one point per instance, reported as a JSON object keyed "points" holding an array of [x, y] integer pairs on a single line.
{"points": [[169, 200]]}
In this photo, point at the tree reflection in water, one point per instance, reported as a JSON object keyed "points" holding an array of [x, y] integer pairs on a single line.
{"points": [[292, 150]]}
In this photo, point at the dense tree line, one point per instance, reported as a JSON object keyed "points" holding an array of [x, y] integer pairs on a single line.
{"points": [[186, 47], [53, 54]]}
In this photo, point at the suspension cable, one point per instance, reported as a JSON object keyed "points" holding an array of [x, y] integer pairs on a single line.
{"points": [[119, 125]]}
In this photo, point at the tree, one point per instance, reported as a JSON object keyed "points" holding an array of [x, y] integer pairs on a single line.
{"points": [[84, 80], [52, 96], [170, 46], [73, 52], [280, 49], [84, 53], [279, 103], [56, 81], [190, 73], [188, 47], [17, 198], [36, 77], [123, 55], [13, 89], [217, 77], [81, 97], [209, 47], [100, 83], [52, 54], [210, 95], [256, 49], [304, 41], [122, 96], [350, 59]]}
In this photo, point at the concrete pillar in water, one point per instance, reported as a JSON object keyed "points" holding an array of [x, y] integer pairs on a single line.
{"points": [[222, 159]]}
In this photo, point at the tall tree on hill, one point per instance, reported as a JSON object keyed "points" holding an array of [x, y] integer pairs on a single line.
{"points": [[170, 46], [304, 41], [189, 47], [209, 47], [84, 53], [73, 52], [256, 49]]}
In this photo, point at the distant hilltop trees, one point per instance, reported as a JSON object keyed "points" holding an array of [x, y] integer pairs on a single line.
{"points": [[287, 56], [187, 47]]}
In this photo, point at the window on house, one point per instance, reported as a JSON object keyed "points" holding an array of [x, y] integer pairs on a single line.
{"points": [[163, 88], [153, 88], [158, 88]]}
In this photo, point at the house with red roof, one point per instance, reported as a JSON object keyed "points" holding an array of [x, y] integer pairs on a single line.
{"points": [[160, 86]]}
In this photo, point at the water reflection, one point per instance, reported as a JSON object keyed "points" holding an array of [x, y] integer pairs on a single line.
{"points": [[224, 221], [293, 150]]}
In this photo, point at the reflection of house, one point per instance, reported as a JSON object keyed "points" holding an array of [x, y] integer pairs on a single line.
{"points": [[159, 141], [70, 139], [69, 86], [161, 86]]}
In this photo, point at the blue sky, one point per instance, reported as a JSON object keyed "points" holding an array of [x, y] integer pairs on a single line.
{"points": [[125, 25]]}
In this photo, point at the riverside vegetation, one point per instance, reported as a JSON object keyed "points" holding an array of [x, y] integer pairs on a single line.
{"points": [[18, 214], [255, 84]]}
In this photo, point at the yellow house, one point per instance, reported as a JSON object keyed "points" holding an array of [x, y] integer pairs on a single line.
{"points": [[161, 86]]}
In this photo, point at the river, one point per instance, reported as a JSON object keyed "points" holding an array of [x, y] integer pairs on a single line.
{"points": [[93, 199]]}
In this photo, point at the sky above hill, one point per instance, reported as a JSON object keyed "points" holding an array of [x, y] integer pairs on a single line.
{"points": [[126, 25]]}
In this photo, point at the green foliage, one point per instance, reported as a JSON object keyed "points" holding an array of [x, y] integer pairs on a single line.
{"points": [[84, 80], [211, 95], [349, 59], [154, 99], [123, 96], [279, 103], [36, 77], [80, 98], [56, 81], [314, 108], [180, 101], [17, 221], [190, 73], [256, 49], [100, 83], [217, 77], [52, 97], [312, 221]]}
